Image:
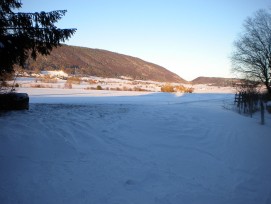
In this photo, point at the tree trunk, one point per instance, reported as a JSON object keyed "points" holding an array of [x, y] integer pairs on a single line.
{"points": [[268, 87]]}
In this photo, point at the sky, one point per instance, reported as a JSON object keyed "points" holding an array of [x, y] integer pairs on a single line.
{"points": [[191, 38]]}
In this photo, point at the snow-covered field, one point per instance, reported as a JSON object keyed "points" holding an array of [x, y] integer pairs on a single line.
{"points": [[116, 84], [103, 147]]}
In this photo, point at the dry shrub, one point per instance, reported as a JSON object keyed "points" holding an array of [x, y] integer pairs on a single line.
{"points": [[68, 85], [139, 89], [116, 89], [184, 89], [4, 77], [167, 88], [91, 81], [126, 89], [74, 80], [99, 87], [134, 83], [189, 90], [48, 79], [41, 86], [90, 88], [4, 84], [96, 88]]}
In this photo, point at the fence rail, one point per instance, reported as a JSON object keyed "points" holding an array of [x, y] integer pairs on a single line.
{"points": [[247, 103]]}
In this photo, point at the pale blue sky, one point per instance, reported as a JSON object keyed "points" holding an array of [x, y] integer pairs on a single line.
{"points": [[188, 37]]}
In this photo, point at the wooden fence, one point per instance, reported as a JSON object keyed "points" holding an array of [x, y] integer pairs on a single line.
{"points": [[246, 102]]}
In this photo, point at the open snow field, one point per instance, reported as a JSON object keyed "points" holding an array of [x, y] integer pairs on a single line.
{"points": [[103, 147]]}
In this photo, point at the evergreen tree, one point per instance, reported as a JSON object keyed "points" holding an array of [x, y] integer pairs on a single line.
{"points": [[27, 34]]}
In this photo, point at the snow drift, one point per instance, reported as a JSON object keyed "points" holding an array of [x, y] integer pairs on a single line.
{"points": [[152, 148]]}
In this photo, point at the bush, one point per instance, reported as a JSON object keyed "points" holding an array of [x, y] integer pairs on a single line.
{"points": [[40, 86], [68, 85], [167, 88], [189, 90], [184, 89], [115, 89], [90, 88], [99, 87], [74, 80], [138, 89], [4, 84], [91, 81], [48, 79]]}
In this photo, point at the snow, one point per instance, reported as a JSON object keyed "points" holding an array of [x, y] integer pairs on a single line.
{"points": [[78, 146], [55, 73]]}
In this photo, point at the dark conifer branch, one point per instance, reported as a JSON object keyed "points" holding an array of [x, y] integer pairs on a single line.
{"points": [[21, 33]]}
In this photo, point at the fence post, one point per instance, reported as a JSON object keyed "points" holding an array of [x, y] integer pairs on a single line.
{"points": [[262, 113]]}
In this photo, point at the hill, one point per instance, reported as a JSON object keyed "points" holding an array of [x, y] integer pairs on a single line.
{"points": [[102, 63], [215, 81]]}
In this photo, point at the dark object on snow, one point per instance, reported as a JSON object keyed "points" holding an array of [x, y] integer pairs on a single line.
{"points": [[262, 113], [14, 101]]}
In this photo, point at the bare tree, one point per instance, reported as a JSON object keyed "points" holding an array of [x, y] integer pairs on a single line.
{"points": [[252, 54]]}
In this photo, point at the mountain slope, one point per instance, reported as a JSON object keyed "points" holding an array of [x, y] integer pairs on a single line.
{"points": [[87, 61], [216, 81]]}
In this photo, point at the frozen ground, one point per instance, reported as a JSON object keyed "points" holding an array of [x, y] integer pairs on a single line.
{"points": [[122, 147]]}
